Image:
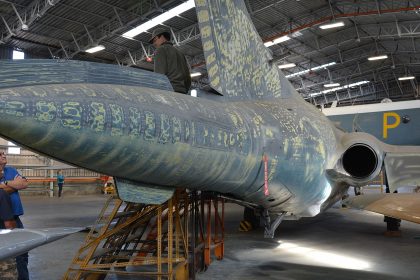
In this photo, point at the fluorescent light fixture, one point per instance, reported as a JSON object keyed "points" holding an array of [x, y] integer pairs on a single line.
{"points": [[332, 85], [288, 65], [159, 19], [406, 78], [195, 74], [296, 34], [378, 57], [95, 49], [323, 66], [332, 25], [277, 41], [339, 88], [194, 93]]}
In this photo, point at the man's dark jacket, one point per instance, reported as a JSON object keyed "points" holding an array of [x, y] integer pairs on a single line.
{"points": [[172, 63]]}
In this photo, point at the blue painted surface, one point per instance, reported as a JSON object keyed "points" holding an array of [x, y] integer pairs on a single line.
{"points": [[373, 123], [47, 71]]}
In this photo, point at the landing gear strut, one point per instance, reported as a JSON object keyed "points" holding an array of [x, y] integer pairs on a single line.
{"points": [[270, 227]]}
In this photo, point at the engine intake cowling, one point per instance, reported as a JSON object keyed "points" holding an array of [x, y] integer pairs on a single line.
{"points": [[362, 158], [360, 161]]}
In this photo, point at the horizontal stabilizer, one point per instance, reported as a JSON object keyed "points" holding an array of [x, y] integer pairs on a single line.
{"points": [[403, 168], [142, 193], [18, 241], [404, 206], [29, 72]]}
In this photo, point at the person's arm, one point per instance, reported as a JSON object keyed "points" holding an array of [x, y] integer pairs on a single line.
{"points": [[161, 64], [6, 188], [19, 183]]}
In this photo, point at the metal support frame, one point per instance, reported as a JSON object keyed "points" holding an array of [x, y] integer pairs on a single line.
{"points": [[206, 207], [136, 240], [34, 11]]}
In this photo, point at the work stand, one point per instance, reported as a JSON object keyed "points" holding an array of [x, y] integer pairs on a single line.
{"points": [[138, 241]]}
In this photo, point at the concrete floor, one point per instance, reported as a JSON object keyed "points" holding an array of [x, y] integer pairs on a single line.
{"points": [[339, 244]]}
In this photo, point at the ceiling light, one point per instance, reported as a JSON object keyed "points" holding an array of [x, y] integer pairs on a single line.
{"points": [[288, 65], [277, 41], [339, 88], [159, 19], [95, 49], [323, 66], [378, 57], [332, 25], [332, 85], [406, 78], [195, 74]]}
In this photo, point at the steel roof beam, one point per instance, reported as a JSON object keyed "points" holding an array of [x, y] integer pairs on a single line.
{"points": [[34, 11]]}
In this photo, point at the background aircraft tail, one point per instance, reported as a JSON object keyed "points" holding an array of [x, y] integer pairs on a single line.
{"points": [[238, 63]]}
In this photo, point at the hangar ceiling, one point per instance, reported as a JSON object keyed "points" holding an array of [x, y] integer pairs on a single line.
{"points": [[66, 28]]}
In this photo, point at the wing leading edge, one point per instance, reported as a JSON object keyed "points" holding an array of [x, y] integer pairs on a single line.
{"points": [[403, 206]]}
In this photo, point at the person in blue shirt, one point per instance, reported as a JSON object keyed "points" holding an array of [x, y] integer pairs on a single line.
{"points": [[7, 218], [11, 182], [60, 182]]}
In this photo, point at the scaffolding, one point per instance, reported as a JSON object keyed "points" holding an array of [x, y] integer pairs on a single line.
{"points": [[152, 241]]}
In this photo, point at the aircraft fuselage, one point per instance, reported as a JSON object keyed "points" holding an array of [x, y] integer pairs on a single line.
{"points": [[168, 139]]}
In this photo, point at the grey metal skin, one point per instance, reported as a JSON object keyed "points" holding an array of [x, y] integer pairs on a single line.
{"points": [[18, 241], [167, 139], [132, 126]]}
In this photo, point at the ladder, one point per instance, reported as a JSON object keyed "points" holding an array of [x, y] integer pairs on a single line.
{"points": [[148, 241], [151, 241]]}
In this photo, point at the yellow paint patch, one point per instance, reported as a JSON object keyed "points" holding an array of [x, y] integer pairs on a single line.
{"points": [[213, 70], [208, 46], [386, 125], [200, 3], [269, 133], [211, 58], [206, 31], [203, 16]]}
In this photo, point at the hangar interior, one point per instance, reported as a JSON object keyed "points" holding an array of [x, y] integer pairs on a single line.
{"points": [[312, 57], [334, 53]]}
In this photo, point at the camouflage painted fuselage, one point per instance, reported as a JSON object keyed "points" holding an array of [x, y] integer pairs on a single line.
{"points": [[163, 138]]}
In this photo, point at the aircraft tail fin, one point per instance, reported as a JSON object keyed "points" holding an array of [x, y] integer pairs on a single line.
{"points": [[238, 63]]}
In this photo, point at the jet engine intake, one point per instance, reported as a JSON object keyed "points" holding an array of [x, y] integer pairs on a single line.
{"points": [[360, 161]]}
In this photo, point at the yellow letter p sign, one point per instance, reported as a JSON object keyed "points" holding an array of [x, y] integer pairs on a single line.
{"points": [[387, 125]]}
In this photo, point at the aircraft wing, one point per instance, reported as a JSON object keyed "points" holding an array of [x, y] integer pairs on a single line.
{"points": [[403, 206], [18, 241], [402, 165]]}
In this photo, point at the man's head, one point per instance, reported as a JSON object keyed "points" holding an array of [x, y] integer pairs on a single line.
{"points": [[3, 159], [160, 36]]}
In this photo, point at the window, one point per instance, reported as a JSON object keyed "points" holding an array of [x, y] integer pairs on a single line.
{"points": [[12, 149], [18, 55]]}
